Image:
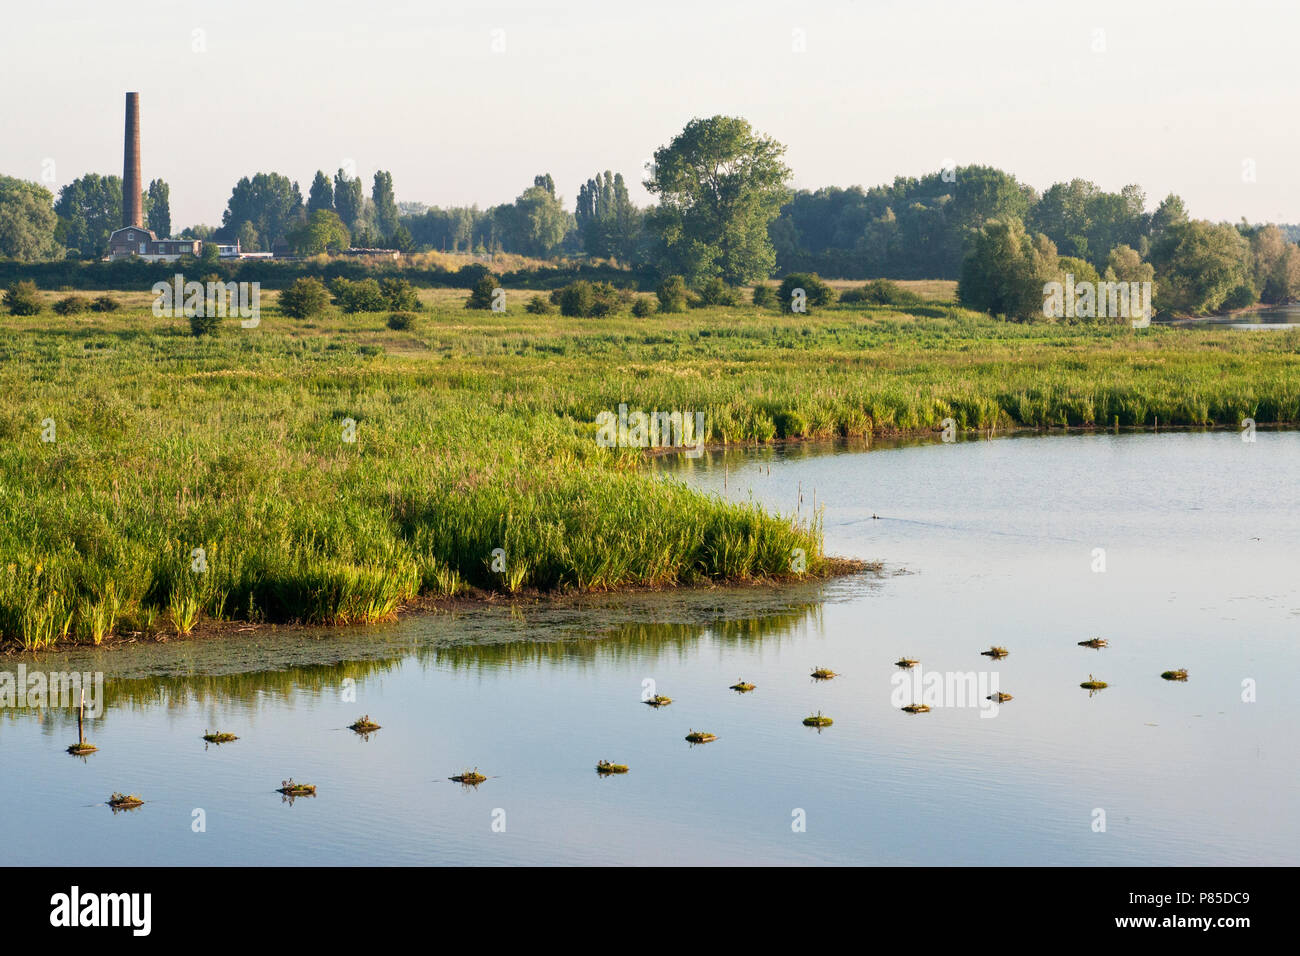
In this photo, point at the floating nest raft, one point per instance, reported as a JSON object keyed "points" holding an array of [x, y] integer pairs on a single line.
{"points": [[125, 801], [82, 748], [997, 653], [999, 697], [364, 725], [1094, 642], [823, 673], [1093, 684], [917, 709], [1180, 674], [218, 738], [741, 687], [700, 737], [817, 720], [906, 662], [470, 778], [606, 766], [659, 700]]}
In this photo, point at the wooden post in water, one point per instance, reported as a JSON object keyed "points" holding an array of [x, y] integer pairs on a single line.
{"points": [[81, 716]]}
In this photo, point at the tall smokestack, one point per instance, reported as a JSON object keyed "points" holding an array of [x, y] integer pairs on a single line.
{"points": [[132, 206]]}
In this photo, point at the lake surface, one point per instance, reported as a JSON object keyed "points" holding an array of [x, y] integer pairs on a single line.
{"points": [[984, 542], [1271, 317]]}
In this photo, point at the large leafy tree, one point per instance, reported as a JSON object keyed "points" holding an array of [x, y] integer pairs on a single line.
{"points": [[89, 209], [158, 211], [322, 232], [536, 223], [719, 186], [27, 221], [1201, 264], [271, 202], [1005, 269]]}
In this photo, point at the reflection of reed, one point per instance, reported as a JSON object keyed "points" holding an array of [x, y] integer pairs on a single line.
{"points": [[616, 642], [626, 640]]}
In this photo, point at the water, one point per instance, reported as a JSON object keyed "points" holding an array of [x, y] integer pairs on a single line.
{"points": [[983, 542], [1273, 317]]}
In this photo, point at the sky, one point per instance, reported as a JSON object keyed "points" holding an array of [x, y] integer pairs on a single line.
{"points": [[465, 102]]}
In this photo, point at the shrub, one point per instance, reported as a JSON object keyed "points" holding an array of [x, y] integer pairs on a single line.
{"points": [[71, 305], [401, 321], [816, 292], [400, 295], [608, 300], [764, 295], [21, 298], [539, 305], [306, 297], [204, 324], [484, 292], [104, 303], [642, 307], [881, 292], [672, 294], [363, 296], [577, 298], [714, 292], [1240, 297]]}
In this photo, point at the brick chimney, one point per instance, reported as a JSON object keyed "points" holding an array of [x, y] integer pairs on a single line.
{"points": [[132, 206]]}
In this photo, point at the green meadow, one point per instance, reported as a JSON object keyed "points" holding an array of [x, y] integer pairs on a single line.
{"points": [[334, 470]]}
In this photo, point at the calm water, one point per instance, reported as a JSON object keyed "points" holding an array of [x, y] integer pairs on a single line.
{"points": [[984, 542], [1272, 317]]}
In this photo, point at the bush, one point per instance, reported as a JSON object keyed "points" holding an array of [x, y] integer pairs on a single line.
{"points": [[764, 295], [204, 324], [816, 292], [71, 305], [401, 321], [539, 305], [21, 298], [400, 295], [881, 292], [484, 292], [306, 297], [577, 298], [104, 303], [672, 294], [642, 307], [714, 292], [1241, 297], [363, 296]]}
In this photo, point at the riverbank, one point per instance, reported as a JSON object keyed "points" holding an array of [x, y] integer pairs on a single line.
{"points": [[332, 471]]}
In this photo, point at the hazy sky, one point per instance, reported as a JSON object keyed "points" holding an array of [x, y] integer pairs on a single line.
{"points": [[1187, 95]]}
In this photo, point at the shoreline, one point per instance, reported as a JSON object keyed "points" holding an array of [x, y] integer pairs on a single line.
{"points": [[474, 599]]}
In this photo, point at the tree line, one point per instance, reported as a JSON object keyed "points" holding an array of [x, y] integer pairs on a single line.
{"points": [[723, 211]]}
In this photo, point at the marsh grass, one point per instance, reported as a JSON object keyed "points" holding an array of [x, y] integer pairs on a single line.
{"points": [[473, 435]]}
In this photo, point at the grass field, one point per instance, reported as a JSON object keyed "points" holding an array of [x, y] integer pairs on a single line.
{"points": [[475, 431]]}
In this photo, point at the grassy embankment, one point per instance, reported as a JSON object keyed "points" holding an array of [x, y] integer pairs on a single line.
{"points": [[475, 431]]}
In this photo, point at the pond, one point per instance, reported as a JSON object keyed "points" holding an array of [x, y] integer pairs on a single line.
{"points": [[1179, 549]]}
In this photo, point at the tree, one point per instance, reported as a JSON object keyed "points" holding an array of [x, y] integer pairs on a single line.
{"points": [[1204, 265], [271, 202], [536, 223], [348, 200], [27, 221], [22, 298], [483, 293], [322, 232], [321, 194], [1005, 270], [608, 222], [89, 209], [158, 206], [719, 186], [385, 214]]}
